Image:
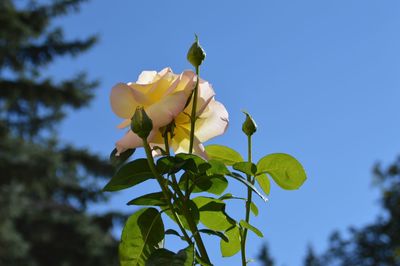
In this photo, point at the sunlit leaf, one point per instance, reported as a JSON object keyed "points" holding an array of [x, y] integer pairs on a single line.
{"points": [[212, 213], [253, 208], [250, 227], [141, 235], [263, 182], [217, 168], [246, 167], [129, 175], [224, 154], [231, 247], [286, 171], [248, 184]]}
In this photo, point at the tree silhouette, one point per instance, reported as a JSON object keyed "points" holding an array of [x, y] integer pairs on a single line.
{"points": [[46, 186], [379, 242]]}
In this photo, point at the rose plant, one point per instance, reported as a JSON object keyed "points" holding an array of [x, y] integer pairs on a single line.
{"points": [[166, 111]]}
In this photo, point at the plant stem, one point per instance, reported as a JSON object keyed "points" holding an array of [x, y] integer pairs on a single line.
{"points": [[193, 116], [164, 186], [248, 202]]}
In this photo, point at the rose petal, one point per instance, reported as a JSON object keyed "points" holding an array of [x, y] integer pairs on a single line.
{"points": [[212, 122], [205, 95], [146, 77], [124, 123], [181, 141], [131, 141], [169, 107], [124, 100]]}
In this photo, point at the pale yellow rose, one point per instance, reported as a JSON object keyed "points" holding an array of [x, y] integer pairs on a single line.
{"points": [[163, 96]]}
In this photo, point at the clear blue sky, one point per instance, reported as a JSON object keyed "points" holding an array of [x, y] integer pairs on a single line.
{"points": [[321, 78]]}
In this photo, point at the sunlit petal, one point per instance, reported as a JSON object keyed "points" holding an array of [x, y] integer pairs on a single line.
{"points": [[205, 95], [212, 122], [124, 100], [181, 142], [169, 107], [146, 77]]}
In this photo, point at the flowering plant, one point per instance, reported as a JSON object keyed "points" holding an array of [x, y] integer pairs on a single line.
{"points": [[165, 112]]}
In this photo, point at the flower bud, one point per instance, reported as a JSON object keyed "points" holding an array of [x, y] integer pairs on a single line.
{"points": [[196, 54], [249, 126], [141, 123]]}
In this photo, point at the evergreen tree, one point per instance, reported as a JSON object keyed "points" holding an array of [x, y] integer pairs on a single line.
{"points": [[46, 186], [264, 257], [311, 258], [379, 242]]}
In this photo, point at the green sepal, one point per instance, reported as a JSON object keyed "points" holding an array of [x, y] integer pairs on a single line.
{"points": [[129, 175], [249, 126], [284, 169]]}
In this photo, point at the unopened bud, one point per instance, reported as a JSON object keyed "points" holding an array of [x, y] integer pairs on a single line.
{"points": [[249, 126], [196, 54], [141, 123]]}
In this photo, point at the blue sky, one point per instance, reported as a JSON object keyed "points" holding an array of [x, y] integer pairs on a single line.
{"points": [[321, 78]]}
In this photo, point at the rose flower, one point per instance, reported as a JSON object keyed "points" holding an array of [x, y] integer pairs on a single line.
{"points": [[164, 96]]}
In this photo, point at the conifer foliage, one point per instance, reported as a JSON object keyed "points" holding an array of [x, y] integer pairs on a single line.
{"points": [[45, 185]]}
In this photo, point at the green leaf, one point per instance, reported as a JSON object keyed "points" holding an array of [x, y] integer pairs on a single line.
{"points": [[263, 182], [286, 171], [193, 211], [217, 168], [215, 184], [169, 165], [250, 227], [142, 233], [246, 167], [172, 232], [200, 261], [228, 196], [232, 247], [224, 154], [164, 257], [129, 175], [182, 161], [248, 184], [194, 163], [212, 213], [253, 208], [152, 199], [120, 159], [215, 233]]}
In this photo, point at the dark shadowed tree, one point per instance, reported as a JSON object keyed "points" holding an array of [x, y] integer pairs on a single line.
{"points": [[264, 258], [379, 242], [46, 186], [311, 258]]}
